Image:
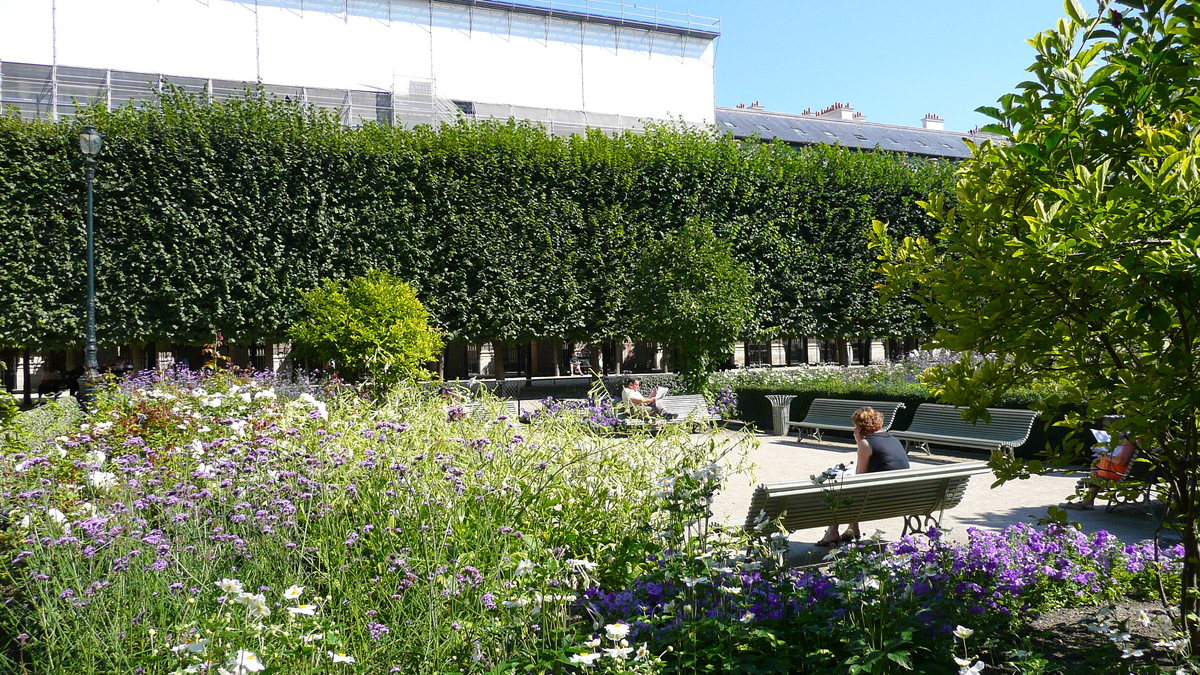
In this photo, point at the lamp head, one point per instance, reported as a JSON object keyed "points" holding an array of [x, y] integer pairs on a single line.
{"points": [[90, 141]]}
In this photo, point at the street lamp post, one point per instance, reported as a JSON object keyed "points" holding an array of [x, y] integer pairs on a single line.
{"points": [[90, 142]]}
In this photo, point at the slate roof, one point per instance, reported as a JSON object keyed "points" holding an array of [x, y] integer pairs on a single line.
{"points": [[809, 130]]}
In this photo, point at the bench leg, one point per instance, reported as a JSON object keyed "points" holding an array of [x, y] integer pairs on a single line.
{"points": [[920, 524]]}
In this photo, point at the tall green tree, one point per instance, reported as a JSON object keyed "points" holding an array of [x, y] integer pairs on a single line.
{"points": [[695, 296], [372, 324], [1073, 256]]}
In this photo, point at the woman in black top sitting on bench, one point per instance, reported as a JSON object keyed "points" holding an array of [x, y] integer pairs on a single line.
{"points": [[877, 451]]}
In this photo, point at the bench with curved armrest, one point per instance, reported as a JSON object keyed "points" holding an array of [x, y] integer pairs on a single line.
{"points": [[686, 408], [943, 424], [833, 414], [920, 495]]}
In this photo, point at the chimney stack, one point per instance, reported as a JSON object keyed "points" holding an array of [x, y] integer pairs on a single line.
{"points": [[837, 111], [756, 106], [933, 122]]}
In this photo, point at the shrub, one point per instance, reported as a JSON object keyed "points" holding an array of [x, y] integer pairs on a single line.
{"points": [[373, 324]]}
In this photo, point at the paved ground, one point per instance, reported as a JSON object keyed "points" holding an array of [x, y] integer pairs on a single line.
{"points": [[779, 459]]}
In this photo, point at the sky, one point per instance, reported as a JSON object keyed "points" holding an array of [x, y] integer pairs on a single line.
{"points": [[892, 60]]}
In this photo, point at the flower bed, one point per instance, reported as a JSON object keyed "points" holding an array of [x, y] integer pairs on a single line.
{"points": [[234, 524], [196, 523]]}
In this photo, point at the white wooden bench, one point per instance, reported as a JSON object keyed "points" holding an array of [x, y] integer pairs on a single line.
{"points": [[920, 495], [943, 424], [833, 414]]}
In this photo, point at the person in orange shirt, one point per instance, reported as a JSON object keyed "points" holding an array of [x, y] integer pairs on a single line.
{"points": [[1111, 466]]}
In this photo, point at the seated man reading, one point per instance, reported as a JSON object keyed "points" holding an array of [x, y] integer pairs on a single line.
{"points": [[636, 402]]}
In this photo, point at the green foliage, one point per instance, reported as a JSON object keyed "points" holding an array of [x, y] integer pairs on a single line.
{"points": [[57, 417], [221, 214], [1071, 256], [373, 324], [694, 294], [9, 430]]}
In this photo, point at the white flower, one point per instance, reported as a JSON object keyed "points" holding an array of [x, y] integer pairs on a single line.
{"points": [[102, 480], [193, 647], [341, 658], [230, 586], [618, 653], [583, 565], [731, 590], [197, 448], [519, 602], [616, 631], [245, 662], [103, 426], [1129, 651], [585, 659], [592, 644], [313, 637], [57, 516], [963, 632], [747, 617], [246, 396], [977, 668], [1143, 617], [306, 610], [293, 592], [265, 394], [95, 458], [525, 567], [642, 653], [691, 583], [256, 604]]}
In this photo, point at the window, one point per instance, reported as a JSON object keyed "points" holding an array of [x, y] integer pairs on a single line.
{"points": [[763, 127], [729, 124], [799, 130], [758, 354], [829, 351], [796, 351], [861, 137]]}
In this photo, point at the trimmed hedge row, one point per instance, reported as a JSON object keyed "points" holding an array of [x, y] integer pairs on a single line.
{"points": [[219, 215]]}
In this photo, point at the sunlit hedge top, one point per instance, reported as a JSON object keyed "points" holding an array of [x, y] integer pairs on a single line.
{"points": [[220, 214]]}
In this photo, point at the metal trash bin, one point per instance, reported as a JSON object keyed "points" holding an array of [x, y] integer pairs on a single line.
{"points": [[781, 405]]}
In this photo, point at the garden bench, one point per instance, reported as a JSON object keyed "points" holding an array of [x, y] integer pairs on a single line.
{"points": [[687, 408], [834, 414], [943, 424], [920, 495], [484, 411], [1135, 489]]}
